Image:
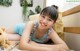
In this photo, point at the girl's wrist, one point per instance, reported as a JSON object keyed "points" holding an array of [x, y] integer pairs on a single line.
{"points": [[49, 49], [56, 47]]}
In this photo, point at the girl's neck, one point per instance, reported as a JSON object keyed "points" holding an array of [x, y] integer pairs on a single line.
{"points": [[41, 30], [40, 33]]}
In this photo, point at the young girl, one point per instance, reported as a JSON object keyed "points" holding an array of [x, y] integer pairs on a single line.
{"points": [[34, 34]]}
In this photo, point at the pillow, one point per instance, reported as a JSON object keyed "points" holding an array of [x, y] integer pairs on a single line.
{"points": [[58, 26], [34, 17]]}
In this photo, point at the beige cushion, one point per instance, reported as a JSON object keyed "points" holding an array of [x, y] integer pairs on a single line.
{"points": [[34, 17], [58, 26]]}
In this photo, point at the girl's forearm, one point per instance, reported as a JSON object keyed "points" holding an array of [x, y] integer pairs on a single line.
{"points": [[31, 47], [60, 47], [42, 45], [56, 46]]}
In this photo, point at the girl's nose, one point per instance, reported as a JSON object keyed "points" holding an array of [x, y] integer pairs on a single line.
{"points": [[45, 21]]}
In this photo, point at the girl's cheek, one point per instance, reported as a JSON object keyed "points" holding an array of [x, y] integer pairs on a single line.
{"points": [[40, 19]]}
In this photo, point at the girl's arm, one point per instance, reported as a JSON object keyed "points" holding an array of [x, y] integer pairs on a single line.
{"points": [[59, 43], [25, 39]]}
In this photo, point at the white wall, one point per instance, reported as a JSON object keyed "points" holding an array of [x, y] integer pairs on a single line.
{"points": [[62, 4], [69, 5], [9, 16], [59, 3]]}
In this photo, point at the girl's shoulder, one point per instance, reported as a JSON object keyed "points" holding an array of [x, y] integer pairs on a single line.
{"points": [[32, 23], [50, 31]]}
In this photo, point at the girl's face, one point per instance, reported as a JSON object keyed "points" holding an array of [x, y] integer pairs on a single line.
{"points": [[45, 22]]}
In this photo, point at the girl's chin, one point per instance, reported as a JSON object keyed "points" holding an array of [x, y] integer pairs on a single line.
{"points": [[41, 27]]}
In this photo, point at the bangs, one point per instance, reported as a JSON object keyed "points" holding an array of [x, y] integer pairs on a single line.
{"points": [[46, 14]]}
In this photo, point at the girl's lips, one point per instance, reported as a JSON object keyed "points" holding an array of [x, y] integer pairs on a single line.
{"points": [[42, 24]]}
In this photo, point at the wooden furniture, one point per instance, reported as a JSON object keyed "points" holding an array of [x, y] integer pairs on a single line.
{"points": [[74, 10]]}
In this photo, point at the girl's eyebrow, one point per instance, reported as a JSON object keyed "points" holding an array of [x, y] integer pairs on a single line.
{"points": [[50, 18]]}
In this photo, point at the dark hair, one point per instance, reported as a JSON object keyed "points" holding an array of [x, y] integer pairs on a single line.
{"points": [[55, 6], [51, 11]]}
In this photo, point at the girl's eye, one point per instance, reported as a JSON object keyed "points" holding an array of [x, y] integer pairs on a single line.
{"points": [[49, 20], [43, 16]]}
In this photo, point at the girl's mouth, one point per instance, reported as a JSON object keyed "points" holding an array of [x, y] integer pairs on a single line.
{"points": [[42, 24]]}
